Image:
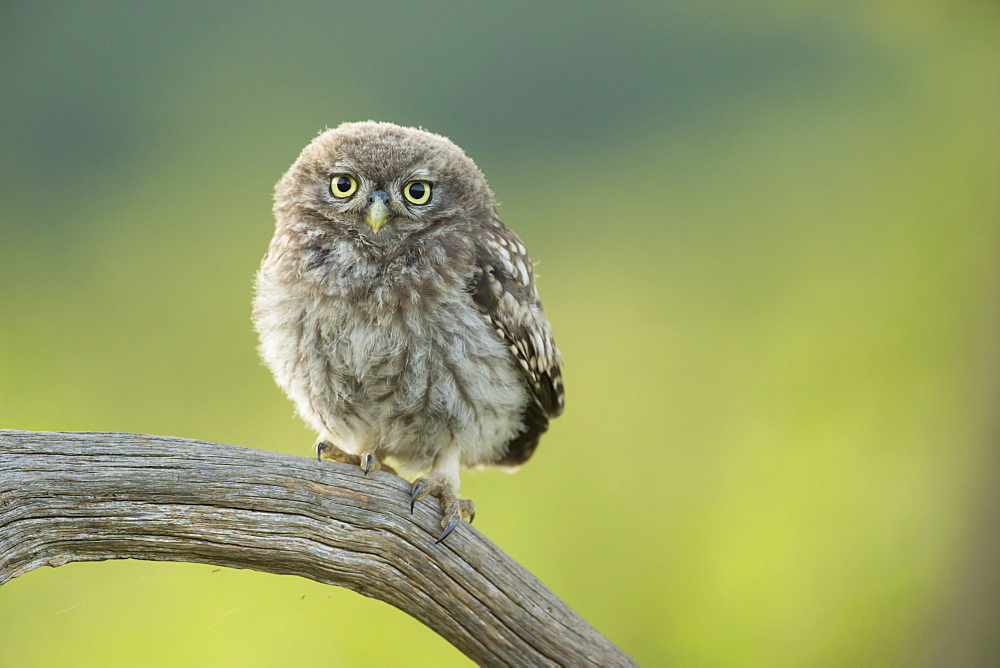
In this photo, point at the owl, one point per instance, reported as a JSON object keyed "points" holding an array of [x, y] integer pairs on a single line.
{"points": [[400, 315]]}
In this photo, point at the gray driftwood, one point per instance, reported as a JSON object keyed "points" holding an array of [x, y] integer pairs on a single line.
{"points": [[94, 496]]}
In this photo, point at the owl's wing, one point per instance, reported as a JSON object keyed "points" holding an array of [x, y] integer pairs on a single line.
{"points": [[503, 287]]}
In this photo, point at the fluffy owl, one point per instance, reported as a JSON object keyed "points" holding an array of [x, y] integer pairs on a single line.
{"points": [[401, 316]]}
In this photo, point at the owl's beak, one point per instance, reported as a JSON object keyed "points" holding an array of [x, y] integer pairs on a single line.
{"points": [[377, 212]]}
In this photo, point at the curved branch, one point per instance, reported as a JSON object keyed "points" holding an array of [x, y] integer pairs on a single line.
{"points": [[77, 496]]}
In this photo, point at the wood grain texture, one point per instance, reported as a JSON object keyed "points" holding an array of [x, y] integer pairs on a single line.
{"points": [[81, 496]]}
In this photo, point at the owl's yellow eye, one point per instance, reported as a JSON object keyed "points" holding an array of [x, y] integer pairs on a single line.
{"points": [[417, 192], [342, 185]]}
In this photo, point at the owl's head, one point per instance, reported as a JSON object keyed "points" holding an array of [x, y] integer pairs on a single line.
{"points": [[382, 180]]}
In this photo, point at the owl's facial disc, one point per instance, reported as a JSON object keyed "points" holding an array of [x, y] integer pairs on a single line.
{"points": [[377, 212]]}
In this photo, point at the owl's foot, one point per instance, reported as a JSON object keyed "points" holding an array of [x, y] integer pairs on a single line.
{"points": [[367, 461], [453, 508]]}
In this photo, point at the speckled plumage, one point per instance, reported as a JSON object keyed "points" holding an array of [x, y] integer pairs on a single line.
{"points": [[423, 342]]}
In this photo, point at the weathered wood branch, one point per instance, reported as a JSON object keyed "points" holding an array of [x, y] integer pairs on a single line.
{"points": [[93, 496]]}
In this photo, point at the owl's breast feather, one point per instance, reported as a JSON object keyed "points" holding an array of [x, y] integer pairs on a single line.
{"points": [[403, 367]]}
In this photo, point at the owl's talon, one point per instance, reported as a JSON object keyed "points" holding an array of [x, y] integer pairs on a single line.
{"points": [[417, 493], [467, 509], [367, 459], [452, 522], [327, 450]]}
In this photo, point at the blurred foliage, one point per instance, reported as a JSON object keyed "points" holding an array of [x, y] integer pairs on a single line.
{"points": [[767, 240]]}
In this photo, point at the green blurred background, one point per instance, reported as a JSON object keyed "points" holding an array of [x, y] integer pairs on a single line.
{"points": [[767, 239]]}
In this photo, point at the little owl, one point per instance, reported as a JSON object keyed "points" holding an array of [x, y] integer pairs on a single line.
{"points": [[401, 316]]}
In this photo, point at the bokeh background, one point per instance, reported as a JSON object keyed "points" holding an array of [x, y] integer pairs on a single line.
{"points": [[767, 238]]}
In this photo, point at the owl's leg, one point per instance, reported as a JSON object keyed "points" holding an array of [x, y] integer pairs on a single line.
{"points": [[442, 483], [367, 460]]}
